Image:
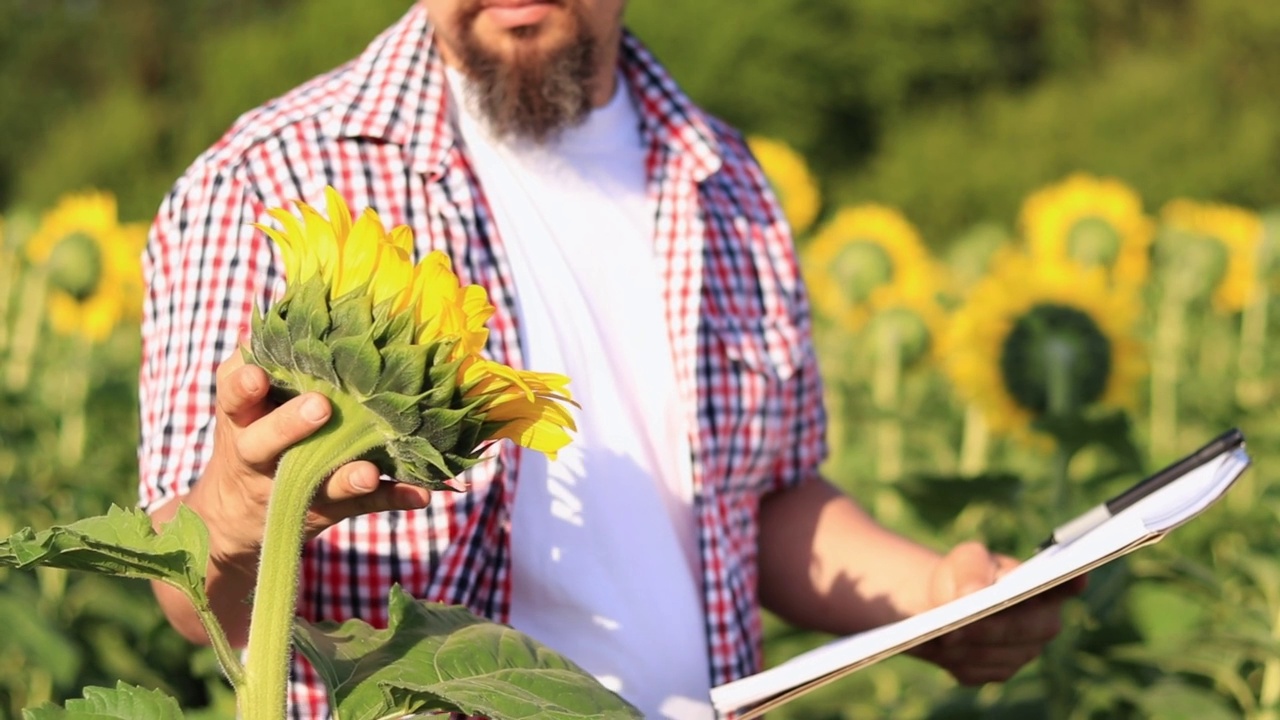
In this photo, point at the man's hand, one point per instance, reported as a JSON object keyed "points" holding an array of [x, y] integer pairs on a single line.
{"points": [[250, 435], [231, 495], [995, 648]]}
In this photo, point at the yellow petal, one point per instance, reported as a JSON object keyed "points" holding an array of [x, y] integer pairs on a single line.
{"points": [[392, 278], [359, 254], [339, 213]]}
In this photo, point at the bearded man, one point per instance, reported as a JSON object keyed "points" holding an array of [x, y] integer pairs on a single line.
{"points": [[629, 241]]}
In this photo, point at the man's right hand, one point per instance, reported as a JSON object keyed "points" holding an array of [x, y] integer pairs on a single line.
{"points": [[231, 495]]}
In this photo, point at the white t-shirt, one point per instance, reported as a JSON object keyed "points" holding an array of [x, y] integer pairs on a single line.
{"points": [[604, 551]]}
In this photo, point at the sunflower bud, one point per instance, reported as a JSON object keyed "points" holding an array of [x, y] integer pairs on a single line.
{"points": [[396, 347]]}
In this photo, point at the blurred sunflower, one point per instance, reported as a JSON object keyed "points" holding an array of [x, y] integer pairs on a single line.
{"points": [[789, 175], [1094, 221], [1035, 334], [1213, 250], [914, 315], [862, 253], [91, 262]]}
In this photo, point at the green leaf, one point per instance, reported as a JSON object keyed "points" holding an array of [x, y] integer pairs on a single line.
{"points": [[404, 369], [400, 411], [124, 702], [437, 657], [315, 358], [1171, 699], [442, 427], [415, 458], [400, 329], [36, 636], [120, 543], [271, 340], [358, 364], [939, 499], [352, 316], [308, 314]]}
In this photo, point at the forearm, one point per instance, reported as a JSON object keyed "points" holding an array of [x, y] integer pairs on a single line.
{"points": [[826, 565], [229, 585]]}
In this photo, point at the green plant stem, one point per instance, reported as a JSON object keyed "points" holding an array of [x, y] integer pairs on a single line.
{"points": [[227, 656], [26, 331], [886, 392], [1165, 361], [301, 471], [974, 443], [75, 395]]}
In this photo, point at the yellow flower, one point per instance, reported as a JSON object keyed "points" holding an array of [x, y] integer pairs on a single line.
{"points": [[1213, 248], [861, 251], [795, 186], [92, 262], [397, 348], [1094, 221], [1038, 337], [915, 315]]}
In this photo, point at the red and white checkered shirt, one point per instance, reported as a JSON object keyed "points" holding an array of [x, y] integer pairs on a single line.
{"points": [[378, 129]]}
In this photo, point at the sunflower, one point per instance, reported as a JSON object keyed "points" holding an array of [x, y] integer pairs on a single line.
{"points": [[915, 315], [1094, 221], [396, 347], [1036, 334], [791, 180], [861, 252], [92, 264], [1213, 248]]}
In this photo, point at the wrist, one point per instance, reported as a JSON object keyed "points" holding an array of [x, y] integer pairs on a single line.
{"points": [[229, 548]]}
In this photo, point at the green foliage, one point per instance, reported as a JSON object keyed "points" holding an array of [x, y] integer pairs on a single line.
{"points": [[434, 657]]}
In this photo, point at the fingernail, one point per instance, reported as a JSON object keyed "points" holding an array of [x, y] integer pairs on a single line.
{"points": [[420, 500], [313, 409]]}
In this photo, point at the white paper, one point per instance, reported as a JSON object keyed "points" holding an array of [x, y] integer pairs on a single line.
{"points": [[1143, 522]]}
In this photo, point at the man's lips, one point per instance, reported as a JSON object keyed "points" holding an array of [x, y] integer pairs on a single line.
{"points": [[508, 14]]}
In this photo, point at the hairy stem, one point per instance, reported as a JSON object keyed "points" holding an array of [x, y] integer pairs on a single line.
{"points": [[302, 470]]}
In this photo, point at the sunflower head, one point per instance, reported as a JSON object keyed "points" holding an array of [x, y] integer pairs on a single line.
{"points": [[861, 251], [1210, 251], [396, 346], [91, 262], [792, 182], [912, 315], [1098, 222], [1037, 339]]}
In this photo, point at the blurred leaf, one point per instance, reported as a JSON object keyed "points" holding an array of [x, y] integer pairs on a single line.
{"points": [[938, 499], [37, 637], [124, 702], [1171, 699], [1163, 613], [436, 657]]}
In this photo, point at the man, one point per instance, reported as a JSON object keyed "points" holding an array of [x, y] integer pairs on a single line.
{"points": [[628, 241]]}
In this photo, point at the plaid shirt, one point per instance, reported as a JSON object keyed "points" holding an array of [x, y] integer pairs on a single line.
{"points": [[378, 129]]}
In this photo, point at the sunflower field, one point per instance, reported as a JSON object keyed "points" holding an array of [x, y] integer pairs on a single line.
{"points": [[1042, 248]]}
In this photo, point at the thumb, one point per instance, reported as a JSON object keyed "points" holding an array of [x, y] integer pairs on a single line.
{"points": [[969, 567]]}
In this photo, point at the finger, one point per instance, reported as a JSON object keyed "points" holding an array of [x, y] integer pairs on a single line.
{"points": [[389, 495], [1003, 564], [261, 444], [971, 567], [971, 674], [241, 391], [351, 480]]}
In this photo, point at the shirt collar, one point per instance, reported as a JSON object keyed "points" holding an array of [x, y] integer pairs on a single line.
{"points": [[396, 91]]}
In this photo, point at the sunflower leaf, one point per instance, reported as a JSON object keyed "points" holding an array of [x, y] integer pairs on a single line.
{"points": [[400, 411], [358, 363], [418, 463], [352, 316], [123, 702], [404, 369], [271, 340], [400, 330], [437, 657], [308, 313], [442, 427], [315, 358], [121, 543]]}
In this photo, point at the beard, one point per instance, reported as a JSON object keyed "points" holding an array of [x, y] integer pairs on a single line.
{"points": [[533, 94]]}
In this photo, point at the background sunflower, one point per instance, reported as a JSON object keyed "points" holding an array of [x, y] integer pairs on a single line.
{"points": [[858, 255], [1094, 221], [1213, 248], [1002, 340], [91, 262], [791, 179]]}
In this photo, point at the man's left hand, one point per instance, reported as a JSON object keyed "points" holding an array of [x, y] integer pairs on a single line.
{"points": [[994, 648]]}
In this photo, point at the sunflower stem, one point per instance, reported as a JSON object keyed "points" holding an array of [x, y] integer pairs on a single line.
{"points": [[26, 331], [1253, 338], [303, 468], [974, 443], [886, 392], [1166, 361], [75, 394]]}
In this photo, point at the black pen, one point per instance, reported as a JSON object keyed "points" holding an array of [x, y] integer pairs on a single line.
{"points": [[1228, 440]]}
